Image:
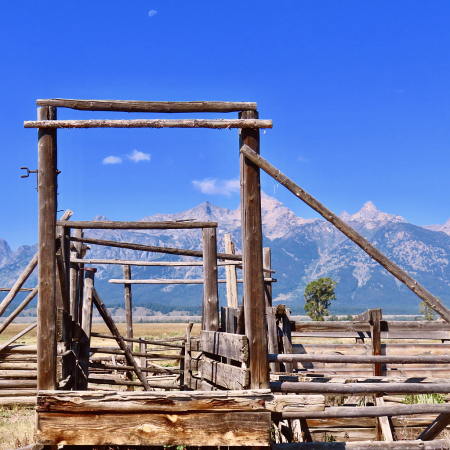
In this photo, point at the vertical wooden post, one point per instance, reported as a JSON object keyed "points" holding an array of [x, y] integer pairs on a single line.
{"points": [[128, 304], [86, 325], [143, 349], [271, 314], [267, 263], [252, 264], [375, 333], [46, 310], [75, 278], [232, 291], [210, 316]]}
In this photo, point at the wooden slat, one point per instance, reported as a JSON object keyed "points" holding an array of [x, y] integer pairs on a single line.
{"points": [[348, 231], [121, 262], [438, 444], [234, 346], [232, 290], [224, 375], [426, 335], [143, 106], [210, 305], [110, 225], [174, 281], [150, 123], [199, 429], [362, 359], [150, 248], [436, 427], [383, 422]]}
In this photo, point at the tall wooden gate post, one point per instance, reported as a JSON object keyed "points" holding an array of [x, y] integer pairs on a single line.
{"points": [[252, 259], [210, 309], [46, 309]]}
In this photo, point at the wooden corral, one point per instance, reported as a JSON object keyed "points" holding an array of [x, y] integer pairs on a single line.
{"points": [[249, 378]]}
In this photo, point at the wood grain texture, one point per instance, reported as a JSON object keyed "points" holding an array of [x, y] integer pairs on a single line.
{"points": [[110, 225], [210, 305], [47, 199], [151, 123], [143, 106], [234, 346], [383, 422], [438, 425], [232, 290], [348, 231], [199, 429], [121, 262], [150, 248], [224, 375], [438, 444], [252, 262]]}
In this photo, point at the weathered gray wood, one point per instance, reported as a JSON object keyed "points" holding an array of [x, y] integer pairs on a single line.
{"points": [[143, 106], [113, 381], [18, 366], [116, 351], [234, 346], [18, 284], [438, 425], [224, 375], [375, 333], [150, 248], [18, 384], [228, 319], [151, 123], [18, 310], [175, 281], [164, 343], [287, 338], [272, 336], [360, 388], [199, 429], [267, 263], [117, 368], [86, 326], [252, 262], [185, 364], [383, 422], [348, 231], [427, 335], [124, 347], [128, 304], [232, 290], [109, 225], [439, 444], [121, 262], [20, 290], [75, 277], [362, 359], [18, 374], [210, 308]]}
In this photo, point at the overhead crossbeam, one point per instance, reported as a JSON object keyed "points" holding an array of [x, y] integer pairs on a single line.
{"points": [[142, 106], [348, 231], [109, 225], [150, 123]]}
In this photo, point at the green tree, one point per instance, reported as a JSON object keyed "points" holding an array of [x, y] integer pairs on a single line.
{"points": [[427, 311], [318, 297]]}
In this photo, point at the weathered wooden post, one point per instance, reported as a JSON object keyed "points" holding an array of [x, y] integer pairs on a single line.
{"points": [[86, 326], [75, 295], [267, 262], [252, 263], [375, 333], [128, 317], [230, 270], [210, 316], [46, 309]]}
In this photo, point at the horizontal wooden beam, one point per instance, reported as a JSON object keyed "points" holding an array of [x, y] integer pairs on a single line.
{"points": [[224, 375], [438, 444], [19, 290], [193, 429], [140, 341], [359, 388], [426, 335], [176, 281], [152, 249], [150, 123], [233, 346], [143, 106], [109, 225], [113, 351], [124, 262], [361, 359], [348, 231]]}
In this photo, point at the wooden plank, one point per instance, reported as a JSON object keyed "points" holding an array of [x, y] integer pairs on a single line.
{"points": [[188, 401], [17, 401], [234, 346], [267, 263], [199, 429], [18, 284], [360, 388], [287, 339], [362, 359], [175, 281], [232, 290], [252, 261], [375, 333], [163, 343], [18, 384], [272, 335], [151, 123], [121, 262], [124, 347], [228, 319], [210, 307], [224, 375], [439, 444], [75, 278], [438, 425], [348, 231], [128, 304], [152, 249], [383, 422], [19, 309], [110, 225], [143, 106], [428, 335]]}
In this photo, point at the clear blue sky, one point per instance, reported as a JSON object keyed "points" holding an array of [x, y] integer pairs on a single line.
{"points": [[358, 91]]}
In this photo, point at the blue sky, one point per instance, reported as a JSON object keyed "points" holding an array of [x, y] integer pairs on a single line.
{"points": [[359, 94]]}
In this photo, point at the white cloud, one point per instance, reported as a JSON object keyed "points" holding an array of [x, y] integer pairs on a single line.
{"points": [[302, 159], [139, 156], [213, 186], [112, 160], [152, 13]]}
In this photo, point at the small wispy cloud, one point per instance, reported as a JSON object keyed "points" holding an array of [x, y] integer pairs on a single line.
{"points": [[303, 159], [213, 186], [137, 156], [152, 13], [112, 160]]}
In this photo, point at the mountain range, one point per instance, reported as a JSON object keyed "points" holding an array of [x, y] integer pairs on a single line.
{"points": [[302, 250]]}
